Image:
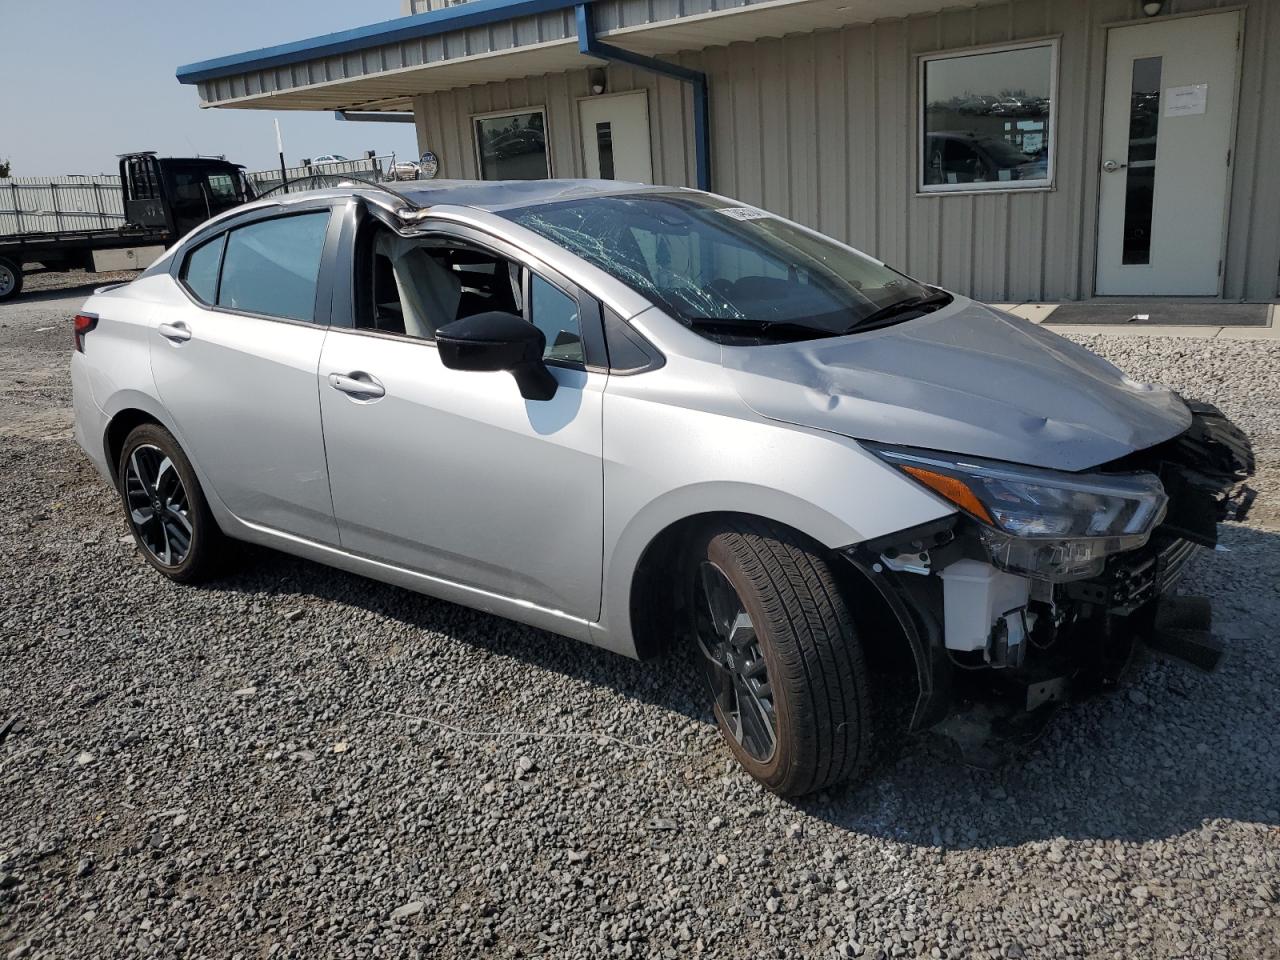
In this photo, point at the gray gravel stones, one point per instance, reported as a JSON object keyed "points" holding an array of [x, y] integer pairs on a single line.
{"points": [[408, 911], [221, 825]]}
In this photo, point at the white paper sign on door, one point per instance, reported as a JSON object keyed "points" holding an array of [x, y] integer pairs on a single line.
{"points": [[1186, 101]]}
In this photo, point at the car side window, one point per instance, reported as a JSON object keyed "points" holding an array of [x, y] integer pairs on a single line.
{"points": [[271, 267], [556, 314], [200, 270], [412, 286]]}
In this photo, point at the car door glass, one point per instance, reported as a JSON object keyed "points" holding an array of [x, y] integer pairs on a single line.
{"points": [[412, 286], [271, 267], [200, 271], [556, 314]]}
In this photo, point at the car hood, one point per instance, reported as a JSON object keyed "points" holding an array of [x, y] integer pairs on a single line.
{"points": [[967, 379]]}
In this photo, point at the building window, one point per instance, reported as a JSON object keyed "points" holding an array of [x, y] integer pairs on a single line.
{"points": [[513, 146], [987, 118]]}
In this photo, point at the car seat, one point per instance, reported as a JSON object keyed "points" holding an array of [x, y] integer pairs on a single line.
{"points": [[429, 291]]}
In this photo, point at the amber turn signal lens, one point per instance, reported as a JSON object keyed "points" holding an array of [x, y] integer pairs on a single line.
{"points": [[951, 489]]}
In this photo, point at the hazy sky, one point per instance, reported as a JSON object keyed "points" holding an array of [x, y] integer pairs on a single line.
{"points": [[84, 80]]}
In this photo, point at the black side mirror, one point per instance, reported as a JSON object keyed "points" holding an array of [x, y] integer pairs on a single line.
{"points": [[498, 341]]}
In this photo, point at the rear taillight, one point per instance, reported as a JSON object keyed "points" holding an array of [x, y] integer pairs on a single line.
{"points": [[84, 323]]}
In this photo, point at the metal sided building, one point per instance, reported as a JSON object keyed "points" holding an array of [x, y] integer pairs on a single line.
{"points": [[1017, 150]]}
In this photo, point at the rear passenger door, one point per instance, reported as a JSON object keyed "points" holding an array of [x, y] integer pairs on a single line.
{"points": [[453, 473], [235, 362]]}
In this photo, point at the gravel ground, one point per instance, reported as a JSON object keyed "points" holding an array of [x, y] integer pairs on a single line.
{"points": [[68, 282], [296, 762]]}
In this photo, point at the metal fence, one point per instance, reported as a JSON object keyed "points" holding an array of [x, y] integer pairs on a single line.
{"points": [[57, 204], [54, 204], [373, 168]]}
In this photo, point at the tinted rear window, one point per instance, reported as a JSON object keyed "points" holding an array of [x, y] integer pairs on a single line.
{"points": [[271, 267], [200, 272]]}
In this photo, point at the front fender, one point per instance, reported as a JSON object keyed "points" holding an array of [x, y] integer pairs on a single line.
{"points": [[823, 485]]}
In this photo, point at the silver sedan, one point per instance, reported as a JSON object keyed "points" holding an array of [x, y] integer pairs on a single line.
{"points": [[644, 417]]}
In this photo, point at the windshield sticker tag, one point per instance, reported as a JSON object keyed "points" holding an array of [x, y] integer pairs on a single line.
{"points": [[745, 213]]}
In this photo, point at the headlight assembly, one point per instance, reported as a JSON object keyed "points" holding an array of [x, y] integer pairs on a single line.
{"points": [[1041, 523]]}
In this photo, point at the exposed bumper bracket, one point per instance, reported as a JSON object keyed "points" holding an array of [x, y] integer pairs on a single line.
{"points": [[1182, 630]]}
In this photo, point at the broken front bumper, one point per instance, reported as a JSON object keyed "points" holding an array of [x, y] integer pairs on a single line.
{"points": [[975, 630]]}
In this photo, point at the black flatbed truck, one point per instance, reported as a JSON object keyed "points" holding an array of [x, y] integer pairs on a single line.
{"points": [[164, 198]]}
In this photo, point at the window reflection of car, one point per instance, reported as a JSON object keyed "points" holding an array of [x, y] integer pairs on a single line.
{"points": [[976, 106], [517, 142], [1008, 107], [405, 170], [963, 157]]}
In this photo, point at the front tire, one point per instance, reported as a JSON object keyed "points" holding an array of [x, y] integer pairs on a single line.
{"points": [[166, 508], [781, 656], [10, 279]]}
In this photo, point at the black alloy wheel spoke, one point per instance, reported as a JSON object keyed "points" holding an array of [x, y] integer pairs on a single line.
{"points": [[734, 664], [158, 505]]}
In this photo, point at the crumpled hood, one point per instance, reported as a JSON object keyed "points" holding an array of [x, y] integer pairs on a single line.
{"points": [[968, 380]]}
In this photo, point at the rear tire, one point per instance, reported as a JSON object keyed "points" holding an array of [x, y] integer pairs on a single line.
{"points": [[165, 507], [10, 279], [779, 647]]}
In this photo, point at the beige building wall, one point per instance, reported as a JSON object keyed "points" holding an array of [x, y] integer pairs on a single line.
{"points": [[821, 127]]}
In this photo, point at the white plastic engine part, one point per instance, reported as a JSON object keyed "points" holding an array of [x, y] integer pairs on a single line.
{"points": [[974, 596]]}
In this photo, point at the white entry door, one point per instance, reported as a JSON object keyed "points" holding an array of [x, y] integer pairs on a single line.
{"points": [[615, 136], [1168, 119]]}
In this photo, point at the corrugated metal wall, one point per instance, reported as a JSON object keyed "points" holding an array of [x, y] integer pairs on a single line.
{"points": [[49, 204], [522, 31], [821, 127]]}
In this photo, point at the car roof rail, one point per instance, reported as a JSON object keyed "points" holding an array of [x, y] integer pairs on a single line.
{"points": [[318, 181]]}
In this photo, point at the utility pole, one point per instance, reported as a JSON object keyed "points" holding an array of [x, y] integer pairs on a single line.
{"points": [[284, 177]]}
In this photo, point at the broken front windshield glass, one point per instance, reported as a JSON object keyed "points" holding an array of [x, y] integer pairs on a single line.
{"points": [[731, 272]]}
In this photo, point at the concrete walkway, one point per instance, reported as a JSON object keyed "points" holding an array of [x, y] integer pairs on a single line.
{"points": [[1040, 312]]}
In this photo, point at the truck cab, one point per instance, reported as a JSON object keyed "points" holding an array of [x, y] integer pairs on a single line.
{"points": [[179, 194]]}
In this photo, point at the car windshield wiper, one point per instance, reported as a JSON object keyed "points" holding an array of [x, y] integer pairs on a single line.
{"points": [[747, 326], [899, 310]]}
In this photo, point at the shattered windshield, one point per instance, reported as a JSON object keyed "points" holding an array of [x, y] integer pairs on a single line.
{"points": [[731, 272]]}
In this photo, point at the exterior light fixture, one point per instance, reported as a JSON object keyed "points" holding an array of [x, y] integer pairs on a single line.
{"points": [[1152, 7], [598, 81]]}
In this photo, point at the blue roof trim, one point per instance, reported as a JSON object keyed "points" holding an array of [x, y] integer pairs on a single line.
{"points": [[475, 13]]}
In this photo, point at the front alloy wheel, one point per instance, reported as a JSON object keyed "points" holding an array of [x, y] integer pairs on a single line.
{"points": [[780, 654], [735, 668]]}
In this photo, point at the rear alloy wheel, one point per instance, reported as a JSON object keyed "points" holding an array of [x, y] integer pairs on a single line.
{"points": [[10, 278], [780, 656], [166, 509], [158, 504]]}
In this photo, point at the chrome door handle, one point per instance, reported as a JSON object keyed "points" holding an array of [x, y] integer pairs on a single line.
{"points": [[357, 385], [175, 332], [1111, 166]]}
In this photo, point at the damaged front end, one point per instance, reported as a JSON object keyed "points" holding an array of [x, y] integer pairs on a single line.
{"points": [[1044, 580]]}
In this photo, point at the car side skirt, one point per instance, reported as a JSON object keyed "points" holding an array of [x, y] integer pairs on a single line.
{"points": [[512, 608]]}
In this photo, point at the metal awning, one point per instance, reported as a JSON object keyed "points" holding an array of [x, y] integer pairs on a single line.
{"points": [[382, 66]]}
